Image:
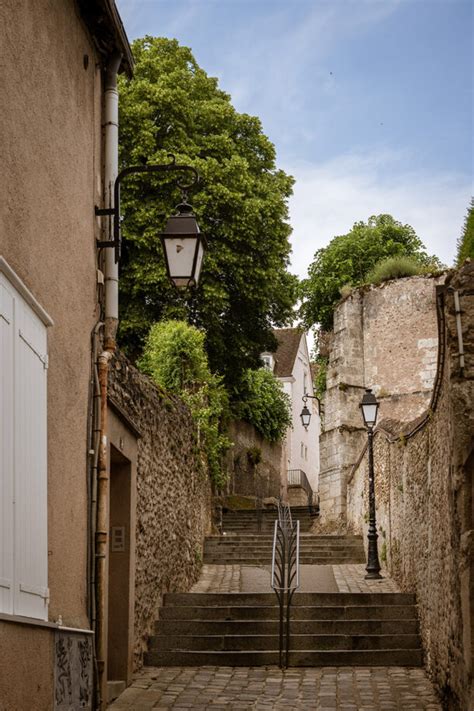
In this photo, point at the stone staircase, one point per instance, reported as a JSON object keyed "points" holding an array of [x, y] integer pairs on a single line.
{"points": [[247, 521], [327, 629], [254, 549]]}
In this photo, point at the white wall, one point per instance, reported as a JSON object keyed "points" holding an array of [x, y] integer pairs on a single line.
{"points": [[303, 444]]}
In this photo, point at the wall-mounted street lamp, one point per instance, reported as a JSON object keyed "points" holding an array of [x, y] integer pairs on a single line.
{"points": [[305, 414], [369, 406], [183, 243]]}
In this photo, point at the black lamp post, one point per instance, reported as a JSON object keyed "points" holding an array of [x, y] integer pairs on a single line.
{"points": [[369, 407], [182, 241], [305, 414]]}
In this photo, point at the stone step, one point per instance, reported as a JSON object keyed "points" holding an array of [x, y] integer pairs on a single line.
{"points": [[259, 642], [266, 560], [310, 658], [271, 612], [183, 628], [252, 599]]}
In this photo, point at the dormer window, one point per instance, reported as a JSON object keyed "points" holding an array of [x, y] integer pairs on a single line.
{"points": [[267, 361]]}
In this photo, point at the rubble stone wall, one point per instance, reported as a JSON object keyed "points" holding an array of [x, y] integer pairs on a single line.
{"points": [[173, 495], [424, 485], [254, 465]]}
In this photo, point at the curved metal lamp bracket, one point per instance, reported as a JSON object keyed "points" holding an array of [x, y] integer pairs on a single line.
{"points": [[312, 397], [114, 211]]}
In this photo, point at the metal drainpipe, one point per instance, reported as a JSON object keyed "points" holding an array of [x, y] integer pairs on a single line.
{"points": [[111, 322], [457, 308]]}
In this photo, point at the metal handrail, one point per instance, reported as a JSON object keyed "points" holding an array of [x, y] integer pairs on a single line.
{"points": [[285, 578], [297, 477]]}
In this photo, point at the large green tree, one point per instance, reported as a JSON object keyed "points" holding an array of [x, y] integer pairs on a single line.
{"points": [[171, 105], [349, 258], [466, 241]]}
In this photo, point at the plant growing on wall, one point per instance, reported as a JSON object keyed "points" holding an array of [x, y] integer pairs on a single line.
{"points": [[466, 241], [263, 403], [241, 204], [174, 356]]}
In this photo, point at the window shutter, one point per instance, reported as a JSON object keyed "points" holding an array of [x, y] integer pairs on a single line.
{"points": [[30, 480], [6, 446]]}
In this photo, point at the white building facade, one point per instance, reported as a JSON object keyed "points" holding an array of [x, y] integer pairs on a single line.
{"points": [[291, 365]]}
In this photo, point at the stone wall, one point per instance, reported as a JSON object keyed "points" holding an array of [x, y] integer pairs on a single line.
{"points": [[384, 338], [173, 495], [424, 480], [253, 465]]}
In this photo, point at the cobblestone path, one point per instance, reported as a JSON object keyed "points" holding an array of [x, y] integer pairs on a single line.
{"points": [[262, 689]]}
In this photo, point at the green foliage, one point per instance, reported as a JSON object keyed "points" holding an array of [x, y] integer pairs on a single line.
{"points": [[466, 241], [171, 105], [175, 358], [397, 267], [263, 403], [349, 258], [320, 372]]}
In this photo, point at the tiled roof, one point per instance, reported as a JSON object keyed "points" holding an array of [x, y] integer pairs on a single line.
{"points": [[288, 342]]}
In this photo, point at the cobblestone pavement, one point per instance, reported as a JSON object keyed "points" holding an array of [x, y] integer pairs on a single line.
{"points": [[349, 578], [268, 688]]}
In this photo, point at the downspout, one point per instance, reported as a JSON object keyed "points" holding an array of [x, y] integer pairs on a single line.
{"points": [[110, 330]]}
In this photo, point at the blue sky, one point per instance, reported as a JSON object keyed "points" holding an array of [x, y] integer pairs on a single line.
{"points": [[368, 102]]}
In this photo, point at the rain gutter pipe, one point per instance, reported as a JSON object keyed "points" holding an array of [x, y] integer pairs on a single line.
{"points": [[110, 330]]}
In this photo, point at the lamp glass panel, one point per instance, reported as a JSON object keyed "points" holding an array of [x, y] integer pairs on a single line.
{"points": [[180, 253], [370, 413], [200, 257]]}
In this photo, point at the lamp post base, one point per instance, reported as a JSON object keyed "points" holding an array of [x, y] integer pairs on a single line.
{"points": [[373, 576]]}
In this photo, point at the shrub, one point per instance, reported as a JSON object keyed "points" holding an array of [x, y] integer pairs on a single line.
{"points": [[175, 358], [264, 404], [396, 268]]}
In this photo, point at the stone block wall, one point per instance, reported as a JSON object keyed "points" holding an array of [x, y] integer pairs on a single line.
{"points": [[424, 473], [247, 476], [385, 338], [173, 494]]}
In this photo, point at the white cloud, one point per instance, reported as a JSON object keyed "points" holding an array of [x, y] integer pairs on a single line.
{"points": [[329, 198]]}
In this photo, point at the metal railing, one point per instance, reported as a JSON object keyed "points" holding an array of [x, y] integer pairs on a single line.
{"points": [[285, 573], [297, 477]]}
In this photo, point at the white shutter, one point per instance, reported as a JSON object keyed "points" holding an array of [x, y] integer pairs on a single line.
{"points": [[6, 446], [30, 480]]}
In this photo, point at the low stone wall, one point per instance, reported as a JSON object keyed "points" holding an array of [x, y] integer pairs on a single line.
{"points": [[424, 495], [173, 495], [253, 464]]}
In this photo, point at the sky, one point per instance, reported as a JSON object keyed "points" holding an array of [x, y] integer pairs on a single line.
{"points": [[368, 102]]}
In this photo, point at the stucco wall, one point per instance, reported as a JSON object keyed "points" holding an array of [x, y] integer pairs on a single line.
{"points": [[424, 507], [253, 465], [384, 338], [49, 182], [173, 495]]}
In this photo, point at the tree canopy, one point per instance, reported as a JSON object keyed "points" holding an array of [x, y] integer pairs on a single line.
{"points": [[349, 258], [172, 106], [466, 241]]}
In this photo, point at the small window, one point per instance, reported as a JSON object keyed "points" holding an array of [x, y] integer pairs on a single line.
{"points": [[305, 383], [302, 450], [306, 453], [267, 361]]}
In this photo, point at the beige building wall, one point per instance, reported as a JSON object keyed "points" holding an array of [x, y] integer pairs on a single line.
{"points": [[50, 180]]}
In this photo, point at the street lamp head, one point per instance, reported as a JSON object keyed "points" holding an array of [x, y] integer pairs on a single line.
{"points": [[305, 416], [183, 245], [369, 407]]}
